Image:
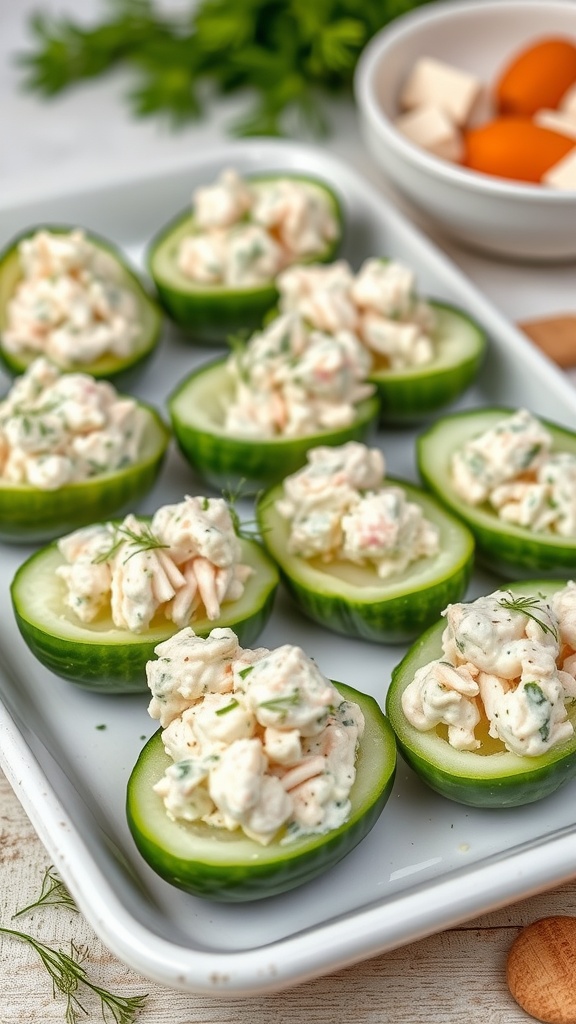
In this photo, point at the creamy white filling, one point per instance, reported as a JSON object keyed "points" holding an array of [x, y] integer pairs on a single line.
{"points": [[507, 660], [289, 381], [261, 741], [511, 466], [245, 234], [70, 304], [378, 305], [185, 564], [57, 429], [339, 507]]}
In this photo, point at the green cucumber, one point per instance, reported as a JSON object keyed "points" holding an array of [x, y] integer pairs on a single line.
{"points": [[107, 366], [352, 600], [210, 313], [196, 411], [415, 393], [229, 867], [514, 552], [29, 514], [102, 657], [490, 779]]}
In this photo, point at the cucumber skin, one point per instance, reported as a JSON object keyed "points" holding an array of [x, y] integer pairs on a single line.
{"points": [[408, 399], [543, 775], [389, 621], [227, 462], [521, 555], [33, 515], [122, 669], [119, 668], [207, 316], [392, 621], [122, 371], [241, 882]]}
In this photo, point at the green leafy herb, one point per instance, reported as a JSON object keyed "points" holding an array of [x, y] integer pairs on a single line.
{"points": [[526, 606], [245, 671], [281, 704], [537, 697], [143, 541], [285, 53], [228, 707], [53, 893]]}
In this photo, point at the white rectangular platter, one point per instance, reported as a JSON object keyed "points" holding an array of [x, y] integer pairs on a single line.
{"points": [[428, 863]]}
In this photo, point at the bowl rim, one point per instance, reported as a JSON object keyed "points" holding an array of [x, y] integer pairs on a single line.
{"points": [[379, 47]]}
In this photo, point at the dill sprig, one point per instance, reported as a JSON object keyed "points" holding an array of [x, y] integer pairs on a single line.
{"points": [[67, 974], [526, 606], [248, 529], [143, 541], [53, 893]]}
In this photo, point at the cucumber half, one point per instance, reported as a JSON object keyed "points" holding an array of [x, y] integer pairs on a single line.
{"points": [[352, 600], [102, 657], [413, 394], [29, 514], [108, 366], [210, 313], [489, 779], [196, 410], [229, 867], [514, 552]]}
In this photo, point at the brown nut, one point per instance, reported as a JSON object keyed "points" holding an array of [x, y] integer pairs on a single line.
{"points": [[541, 970]]}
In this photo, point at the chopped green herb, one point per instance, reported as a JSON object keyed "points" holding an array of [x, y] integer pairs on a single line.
{"points": [[245, 671], [228, 707], [101, 727], [281, 704]]}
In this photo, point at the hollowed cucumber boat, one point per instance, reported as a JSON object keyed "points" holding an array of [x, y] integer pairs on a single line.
{"points": [[511, 551], [351, 599], [229, 867], [108, 366], [30, 514], [102, 657], [415, 393], [196, 409], [209, 313], [491, 777]]}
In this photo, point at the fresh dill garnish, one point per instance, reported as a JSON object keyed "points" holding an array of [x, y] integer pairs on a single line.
{"points": [[143, 541], [283, 55], [53, 893], [526, 606], [66, 970], [228, 707], [247, 529]]}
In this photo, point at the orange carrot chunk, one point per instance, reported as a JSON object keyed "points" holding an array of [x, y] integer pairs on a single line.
{"points": [[538, 77], [514, 147]]}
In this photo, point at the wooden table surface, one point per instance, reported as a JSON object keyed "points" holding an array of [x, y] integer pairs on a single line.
{"points": [[455, 977]]}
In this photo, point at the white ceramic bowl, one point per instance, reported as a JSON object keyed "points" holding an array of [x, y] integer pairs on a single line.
{"points": [[492, 214]]}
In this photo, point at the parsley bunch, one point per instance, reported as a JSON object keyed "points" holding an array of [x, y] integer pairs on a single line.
{"points": [[286, 53]]}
